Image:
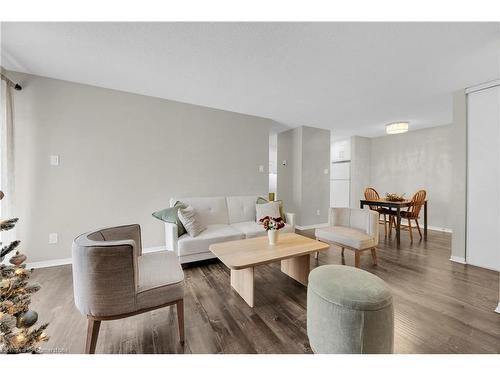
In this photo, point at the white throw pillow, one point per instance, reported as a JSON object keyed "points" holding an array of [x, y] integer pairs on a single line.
{"points": [[271, 209], [189, 219]]}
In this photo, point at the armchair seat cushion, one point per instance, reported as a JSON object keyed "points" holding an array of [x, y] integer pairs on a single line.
{"points": [[214, 233], [349, 237], [160, 279], [252, 229]]}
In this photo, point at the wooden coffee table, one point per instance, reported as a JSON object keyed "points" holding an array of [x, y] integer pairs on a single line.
{"points": [[243, 256]]}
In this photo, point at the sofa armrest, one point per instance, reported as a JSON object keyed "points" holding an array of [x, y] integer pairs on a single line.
{"points": [[290, 218], [171, 237]]}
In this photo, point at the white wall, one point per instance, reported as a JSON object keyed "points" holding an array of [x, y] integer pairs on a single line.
{"points": [[361, 153], [420, 159], [315, 182], [122, 157], [405, 163], [303, 184], [459, 176], [273, 160], [483, 177], [289, 186]]}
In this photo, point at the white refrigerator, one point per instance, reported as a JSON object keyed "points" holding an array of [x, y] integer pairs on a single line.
{"points": [[340, 184]]}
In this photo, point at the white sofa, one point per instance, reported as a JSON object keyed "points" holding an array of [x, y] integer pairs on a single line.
{"points": [[226, 218]]}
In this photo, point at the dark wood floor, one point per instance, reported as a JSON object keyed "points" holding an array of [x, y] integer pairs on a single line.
{"points": [[440, 307]]}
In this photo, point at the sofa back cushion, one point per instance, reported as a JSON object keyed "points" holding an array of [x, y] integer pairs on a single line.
{"points": [[209, 210], [241, 208]]}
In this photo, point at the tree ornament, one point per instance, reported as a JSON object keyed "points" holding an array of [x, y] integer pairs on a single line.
{"points": [[17, 259], [18, 332], [27, 319], [5, 284]]}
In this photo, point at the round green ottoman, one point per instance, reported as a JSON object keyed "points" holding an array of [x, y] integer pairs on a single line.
{"points": [[349, 311]]}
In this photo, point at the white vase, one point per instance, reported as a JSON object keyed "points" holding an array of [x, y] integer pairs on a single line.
{"points": [[272, 235]]}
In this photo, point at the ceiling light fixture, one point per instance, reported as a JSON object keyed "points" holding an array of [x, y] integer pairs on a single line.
{"points": [[396, 128]]}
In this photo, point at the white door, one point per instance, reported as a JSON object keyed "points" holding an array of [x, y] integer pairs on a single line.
{"points": [[339, 193], [341, 171], [483, 165]]}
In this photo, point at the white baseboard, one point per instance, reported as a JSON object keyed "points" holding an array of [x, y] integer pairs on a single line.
{"points": [[49, 263], [497, 310], [64, 261], [447, 230], [458, 259], [314, 226], [153, 249]]}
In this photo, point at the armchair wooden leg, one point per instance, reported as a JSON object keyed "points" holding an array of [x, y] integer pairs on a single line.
{"points": [[356, 259], [409, 228], [418, 227], [374, 256], [92, 333], [342, 252], [180, 319], [316, 255]]}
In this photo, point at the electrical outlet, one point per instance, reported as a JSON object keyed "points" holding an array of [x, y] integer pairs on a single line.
{"points": [[52, 238], [325, 171], [318, 212], [261, 168]]}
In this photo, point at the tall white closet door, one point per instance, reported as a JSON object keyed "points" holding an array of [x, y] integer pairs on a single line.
{"points": [[483, 178]]}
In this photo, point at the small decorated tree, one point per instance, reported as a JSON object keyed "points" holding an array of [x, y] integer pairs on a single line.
{"points": [[18, 333]]}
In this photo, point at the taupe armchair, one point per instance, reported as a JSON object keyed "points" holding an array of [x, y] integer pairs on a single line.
{"points": [[112, 279]]}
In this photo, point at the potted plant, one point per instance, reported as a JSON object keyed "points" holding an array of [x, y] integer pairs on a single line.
{"points": [[272, 225]]}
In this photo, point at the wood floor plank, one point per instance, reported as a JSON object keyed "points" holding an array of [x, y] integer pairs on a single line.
{"points": [[440, 307]]}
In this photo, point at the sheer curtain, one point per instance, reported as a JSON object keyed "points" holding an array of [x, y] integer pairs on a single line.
{"points": [[7, 157]]}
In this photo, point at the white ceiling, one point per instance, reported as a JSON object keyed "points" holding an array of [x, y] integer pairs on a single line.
{"points": [[352, 78]]}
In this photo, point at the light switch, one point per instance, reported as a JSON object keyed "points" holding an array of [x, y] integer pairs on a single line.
{"points": [[52, 238], [325, 171], [261, 168], [54, 160], [318, 212]]}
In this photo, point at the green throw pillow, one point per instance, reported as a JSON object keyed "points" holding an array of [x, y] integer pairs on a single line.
{"points": [[261, 200], [169, 215]]}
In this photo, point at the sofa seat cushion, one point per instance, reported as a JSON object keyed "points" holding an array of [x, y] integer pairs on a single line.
{"points": [[252, 229], [349, 237], [214, 233], [160, 281]]}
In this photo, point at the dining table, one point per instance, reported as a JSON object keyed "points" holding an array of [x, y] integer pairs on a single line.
{"points": [[396, 207]]}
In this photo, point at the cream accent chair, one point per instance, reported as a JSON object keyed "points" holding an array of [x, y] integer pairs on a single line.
{"points": [[352, 228], [112, 279]]}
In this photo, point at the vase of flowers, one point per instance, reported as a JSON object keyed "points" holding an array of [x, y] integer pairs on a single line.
{"points": [[272, 225]]}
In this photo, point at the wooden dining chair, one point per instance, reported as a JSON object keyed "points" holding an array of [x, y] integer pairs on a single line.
{"points": [[417, 201], [372, 195]]}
